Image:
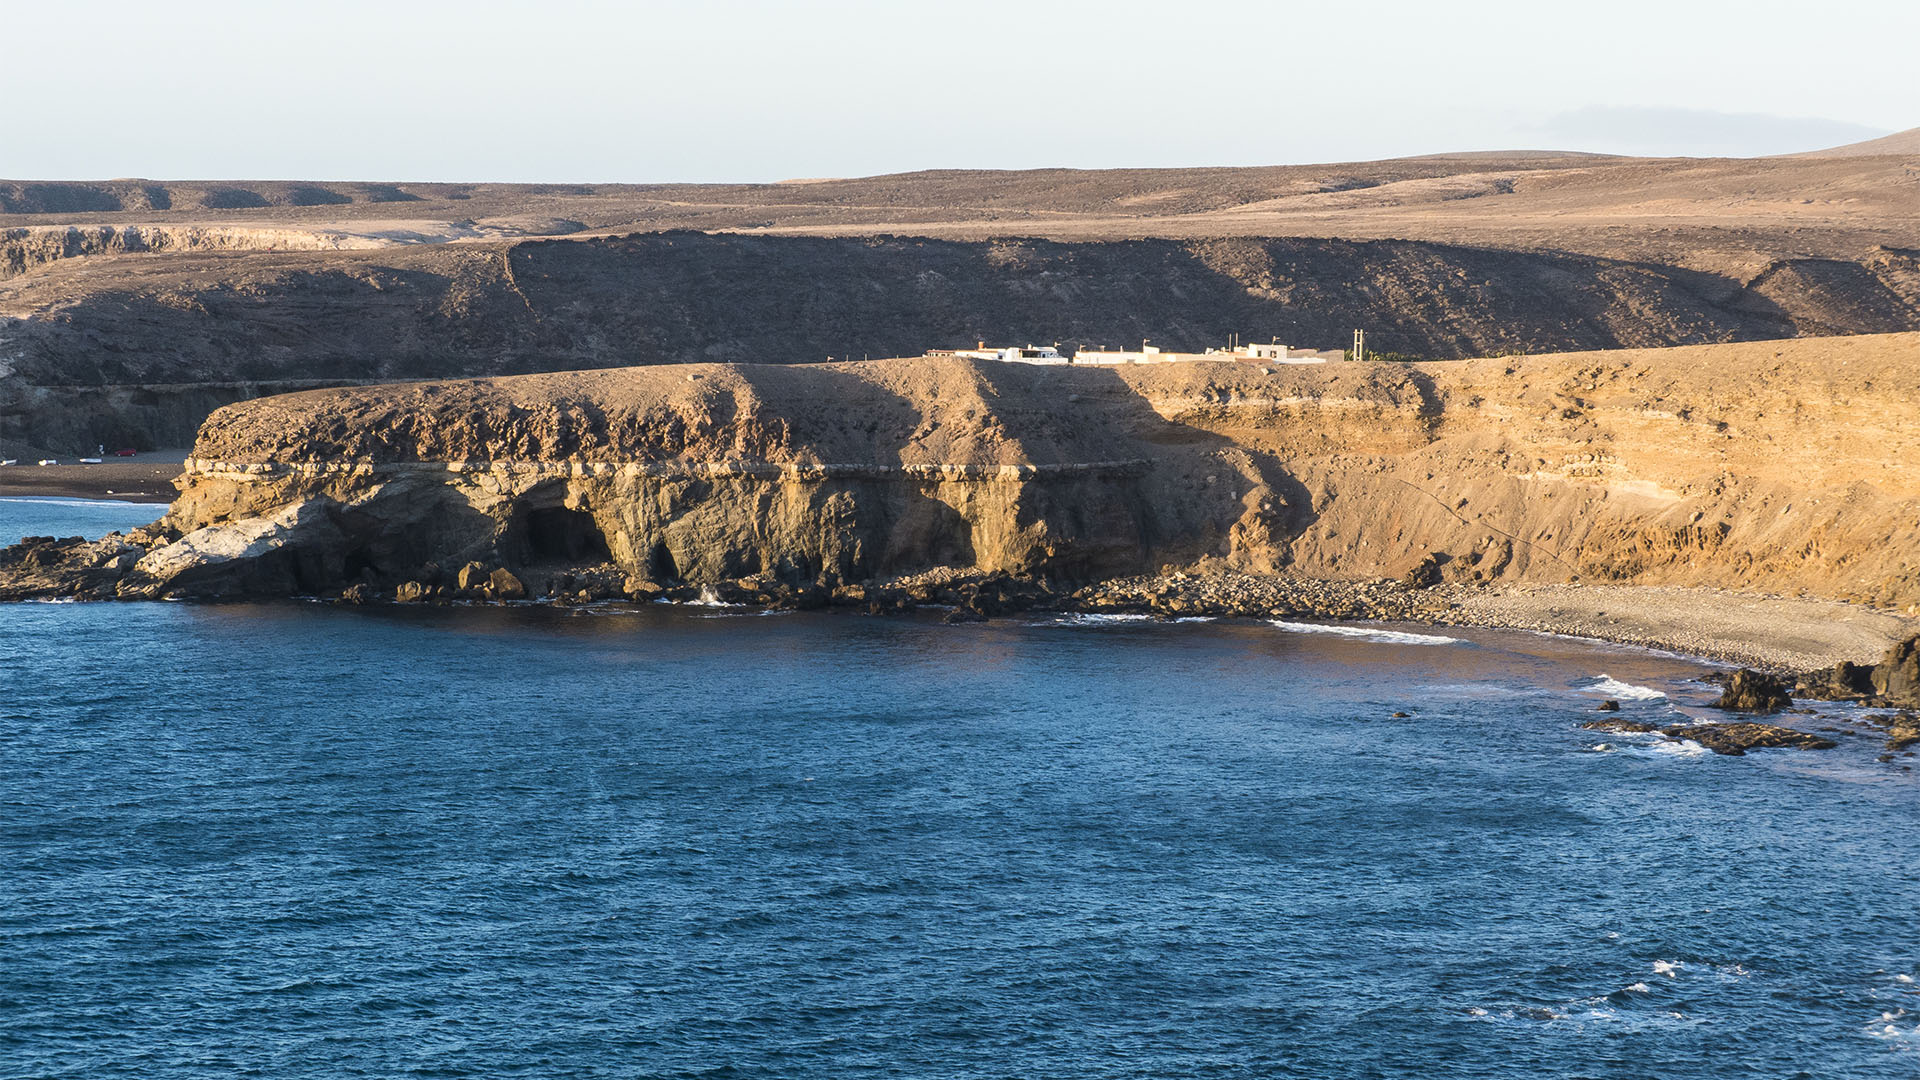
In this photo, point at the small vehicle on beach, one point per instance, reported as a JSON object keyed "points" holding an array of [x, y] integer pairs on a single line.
{"points": [[128, 452], [48, 461], [89, 461]]}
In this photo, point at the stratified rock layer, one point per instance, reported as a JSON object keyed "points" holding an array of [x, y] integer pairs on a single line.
{"points": [[1780, 467]]}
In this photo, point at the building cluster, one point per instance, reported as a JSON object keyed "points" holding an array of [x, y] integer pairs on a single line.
{"points": [[1272, 353]]}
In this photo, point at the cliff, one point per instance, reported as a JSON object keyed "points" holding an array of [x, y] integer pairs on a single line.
{"points": [[135, 349], [1780, 467]]}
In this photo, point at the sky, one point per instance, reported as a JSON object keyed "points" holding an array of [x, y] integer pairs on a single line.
{"points": [[750, 90]]}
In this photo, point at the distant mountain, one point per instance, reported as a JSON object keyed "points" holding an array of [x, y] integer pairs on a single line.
{"points": [[1900, 142]]}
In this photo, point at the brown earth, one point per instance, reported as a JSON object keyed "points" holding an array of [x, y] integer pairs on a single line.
{"points": [[1901, 143], [1741, 472], [131, 309]]}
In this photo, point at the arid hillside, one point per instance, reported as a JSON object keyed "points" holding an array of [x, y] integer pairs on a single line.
{"points": [[1834, 203], [141, 357], [130, 309], [1900, 143], [1776, 467]]}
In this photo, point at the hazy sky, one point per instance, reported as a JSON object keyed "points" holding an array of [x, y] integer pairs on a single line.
{"points": [[750, 90]]}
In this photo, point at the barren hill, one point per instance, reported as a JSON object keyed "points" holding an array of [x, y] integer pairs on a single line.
{"points": [[1900, 143], [130, 308], [1769, 467]]}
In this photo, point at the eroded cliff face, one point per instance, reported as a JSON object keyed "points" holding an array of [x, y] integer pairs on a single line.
{"points": [[1780, 467], [84, 342], [24, 249]]}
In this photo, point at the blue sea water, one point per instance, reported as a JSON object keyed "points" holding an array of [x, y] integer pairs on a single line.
{"points": [[299, 840], [91, 518]]}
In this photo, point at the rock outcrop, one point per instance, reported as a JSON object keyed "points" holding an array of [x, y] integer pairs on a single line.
{"points": [[1895, 680], [1736, 739], [137, 349], [1897, 676], [1732, 740], [1776, 467], [1753, 691]]}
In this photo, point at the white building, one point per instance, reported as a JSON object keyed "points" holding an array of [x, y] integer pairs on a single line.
{"points": [[1274, 353], [1031, 354]]}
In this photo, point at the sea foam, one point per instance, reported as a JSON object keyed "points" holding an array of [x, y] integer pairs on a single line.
{"points": [[1608, 686], [1096, 619], [1388, 637]]}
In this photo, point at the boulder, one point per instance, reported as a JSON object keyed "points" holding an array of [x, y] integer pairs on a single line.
{"points": [[1753, 691], [412, 592], [472, 577], [1897, 676], [1903, 732], [1609, 705], [502, 585], [357, 594], [1844, 681]]}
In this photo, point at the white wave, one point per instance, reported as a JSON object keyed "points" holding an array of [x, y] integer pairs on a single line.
{"points": [[1681, 748], [709, 597], [47, 500], [1669, 968], [1194, 618], [1639, 988], [1385, 637], [1095, 619], [1608, 686]]}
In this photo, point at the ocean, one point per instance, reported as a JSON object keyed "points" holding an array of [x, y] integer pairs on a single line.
{"points": [[305, 840]]}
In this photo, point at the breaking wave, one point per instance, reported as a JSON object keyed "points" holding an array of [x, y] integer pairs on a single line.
{"points": [[1095, 619], [1608, 686], [1388, 637]]}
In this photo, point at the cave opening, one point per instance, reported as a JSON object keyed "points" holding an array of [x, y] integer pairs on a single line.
{"points": [[660, 564], [560, 534], [359, 565]]}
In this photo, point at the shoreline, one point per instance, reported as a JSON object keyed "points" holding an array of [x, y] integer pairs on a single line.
{"points": [[147, 478], [1777, 634]]}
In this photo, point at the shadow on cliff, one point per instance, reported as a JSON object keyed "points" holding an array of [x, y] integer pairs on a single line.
{"points": [[1116, 487]]}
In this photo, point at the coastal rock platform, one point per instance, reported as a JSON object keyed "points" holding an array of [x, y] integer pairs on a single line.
{"points": [[1561, 493]]}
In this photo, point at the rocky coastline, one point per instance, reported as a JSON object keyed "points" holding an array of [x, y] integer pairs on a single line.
{"points": [[1620, 496]]}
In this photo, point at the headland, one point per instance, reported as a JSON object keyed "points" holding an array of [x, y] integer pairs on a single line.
{"points": [[1751, 501]]}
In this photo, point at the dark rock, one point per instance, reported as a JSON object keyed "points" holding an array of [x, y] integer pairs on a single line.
{"points": [[472, 577], [1903, 732], [502, 585], [1609, 705], [1845, 681], [964, 615], [1897, 676], [1426, 574], [1623, 726], [357, 594], [1736, 739], [1753, 691]]}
